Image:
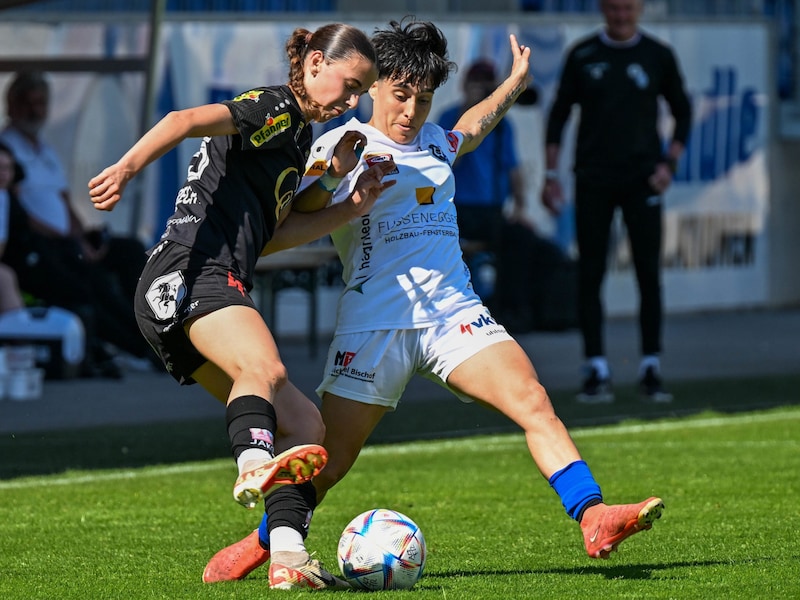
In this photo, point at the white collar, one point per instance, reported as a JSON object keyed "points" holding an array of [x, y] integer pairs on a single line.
{"points": [[617, 44]]}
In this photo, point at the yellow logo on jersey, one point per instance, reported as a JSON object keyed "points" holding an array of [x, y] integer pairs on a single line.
{"points": [[285, 186], [317, 169], [272, 127], [425, 195], [251, 95]]}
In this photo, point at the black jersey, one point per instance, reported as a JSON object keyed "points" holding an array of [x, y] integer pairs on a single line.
{"points": [[238, 185], [617, 88]]}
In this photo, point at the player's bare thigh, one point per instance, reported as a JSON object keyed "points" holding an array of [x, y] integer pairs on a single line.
{"points": [[501, 376], [237, 340]]}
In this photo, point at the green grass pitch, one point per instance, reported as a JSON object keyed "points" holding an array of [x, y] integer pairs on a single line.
{"points": [[494, 528]]}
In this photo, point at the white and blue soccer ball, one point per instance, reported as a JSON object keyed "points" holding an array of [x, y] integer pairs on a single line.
{"points": [[382, 549]]}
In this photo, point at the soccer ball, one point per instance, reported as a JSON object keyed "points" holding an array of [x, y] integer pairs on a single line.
{"points": [[382, 549]]}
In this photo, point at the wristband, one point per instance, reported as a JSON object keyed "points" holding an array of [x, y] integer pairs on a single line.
{"points": [[328, 182], [551, 174]]}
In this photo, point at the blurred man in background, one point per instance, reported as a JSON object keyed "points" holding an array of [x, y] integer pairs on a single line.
{"points": [[616, 77]]}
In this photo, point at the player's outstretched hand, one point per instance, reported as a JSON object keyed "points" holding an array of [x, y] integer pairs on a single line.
{"points": [[369, 187], [347, 152], [520, 66], [105, 189]]}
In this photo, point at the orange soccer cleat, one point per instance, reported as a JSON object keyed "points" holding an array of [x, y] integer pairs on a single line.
{"points": [[606, 527], [236, 561], [296, 465]]}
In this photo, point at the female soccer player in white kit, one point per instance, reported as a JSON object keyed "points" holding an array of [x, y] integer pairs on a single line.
{"points": [[408, 306]]}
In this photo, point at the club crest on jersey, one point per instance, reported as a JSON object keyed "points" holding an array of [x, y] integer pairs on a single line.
{"points": [[166, 294], [251, 95], [272, 127], [597, 70], [638, 75], [374, 159], [317, 168], [437, 152]]}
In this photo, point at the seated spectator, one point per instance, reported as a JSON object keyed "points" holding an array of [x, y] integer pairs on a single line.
{"points": [[59, 278], [44, 193], [10, 295], [57, 259]]}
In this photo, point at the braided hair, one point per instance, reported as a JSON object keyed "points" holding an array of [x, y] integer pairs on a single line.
{"points": [[336, 41]]}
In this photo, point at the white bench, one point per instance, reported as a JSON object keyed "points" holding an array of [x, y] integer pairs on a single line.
{"points": [[296, 267]]}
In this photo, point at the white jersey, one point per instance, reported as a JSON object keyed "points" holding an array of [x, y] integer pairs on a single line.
{"points": [[42, 191], [403, 267]]}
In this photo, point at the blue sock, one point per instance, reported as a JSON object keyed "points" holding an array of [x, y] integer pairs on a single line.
{"points": [[577, 488], [263, 532]]}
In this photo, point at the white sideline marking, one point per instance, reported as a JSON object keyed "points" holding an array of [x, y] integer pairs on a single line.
{"points": [[489, 442], [30, 482]]}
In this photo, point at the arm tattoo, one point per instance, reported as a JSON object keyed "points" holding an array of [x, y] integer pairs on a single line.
{"points": [[500, 110]]}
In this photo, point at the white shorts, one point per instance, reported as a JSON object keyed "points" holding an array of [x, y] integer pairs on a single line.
{"points": [[374, 367]]}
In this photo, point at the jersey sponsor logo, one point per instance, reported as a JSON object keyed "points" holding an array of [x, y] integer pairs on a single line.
{"points": [[437, 153], [366, 243], [452, 140], [272, 127], [261, 438], [317, 168], [166, 294], [374, 159], [343, 358], [425, 194], [285, 187], [186, 195], [251, 95], [180, 221], [235, 283], [485, 320], [343, 367]]}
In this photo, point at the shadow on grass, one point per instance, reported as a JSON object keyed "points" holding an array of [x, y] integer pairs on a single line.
{"points": [[119, 447], [606, 570]]}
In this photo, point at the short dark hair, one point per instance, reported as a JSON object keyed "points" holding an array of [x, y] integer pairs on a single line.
{"points": [[414, 52], [25, 81], [482, 70]]}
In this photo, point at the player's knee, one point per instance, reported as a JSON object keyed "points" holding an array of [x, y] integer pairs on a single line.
{"points": [[269, 371], [531, 404]]}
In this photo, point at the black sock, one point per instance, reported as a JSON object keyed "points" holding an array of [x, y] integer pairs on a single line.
{"points": [[251, 424], [292, 506]]}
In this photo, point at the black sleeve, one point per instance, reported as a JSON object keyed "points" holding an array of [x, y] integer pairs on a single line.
{"points": [[566, 96], [260, 127], [674, 93]]}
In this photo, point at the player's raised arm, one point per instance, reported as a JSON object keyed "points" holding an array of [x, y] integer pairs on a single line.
{"points": [[106, 188], [479, 120]]}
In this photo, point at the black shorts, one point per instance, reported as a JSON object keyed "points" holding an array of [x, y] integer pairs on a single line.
{"points": [[176, 286]]}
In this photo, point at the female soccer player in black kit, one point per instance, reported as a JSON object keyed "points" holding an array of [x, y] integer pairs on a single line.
{"points": [[617, 77], [193, 304]]}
